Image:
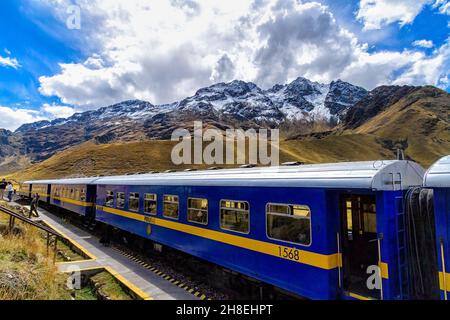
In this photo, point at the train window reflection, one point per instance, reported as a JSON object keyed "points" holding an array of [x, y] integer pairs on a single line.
{"points": [[133, 201], [150, 203], [289, 222], [235, 216], [198, 210], [109, 200], [171, 207], [120, 200]]}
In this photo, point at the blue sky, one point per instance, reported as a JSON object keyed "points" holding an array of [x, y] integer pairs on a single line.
{"points": [[163, 50]]}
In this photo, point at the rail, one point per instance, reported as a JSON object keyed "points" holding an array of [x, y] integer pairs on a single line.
{"points": [[52, 235]]}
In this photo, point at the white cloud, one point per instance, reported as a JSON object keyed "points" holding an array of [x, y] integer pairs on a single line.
{"points": [[443, 6], [9, 62], [164, 50], [12, 119], [55, 112], [423, 43], [375, 14]]}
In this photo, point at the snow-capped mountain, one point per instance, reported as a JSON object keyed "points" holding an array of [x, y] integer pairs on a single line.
{"points": [[299, 99], [243, 101], [222, 105]]}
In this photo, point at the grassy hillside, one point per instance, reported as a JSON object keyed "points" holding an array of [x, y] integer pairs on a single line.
{"points": [[90, 159], [418, 122]]}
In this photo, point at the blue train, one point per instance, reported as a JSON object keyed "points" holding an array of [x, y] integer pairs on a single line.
{"points": [[326, 231]]}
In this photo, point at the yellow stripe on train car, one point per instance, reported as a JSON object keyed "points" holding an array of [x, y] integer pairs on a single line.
{"points": [[318, 260], [77, 202]]}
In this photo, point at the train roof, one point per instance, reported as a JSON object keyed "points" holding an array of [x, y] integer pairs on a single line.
{"points": [[438, 175], [73, 181], [373, 175]]}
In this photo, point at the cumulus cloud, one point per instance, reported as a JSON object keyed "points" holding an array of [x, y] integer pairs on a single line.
{"points": [[375, 14], [224, 70], [303, 40], [12, 119], [53, 111], [9, 62], [423, 43], [164, 50]]}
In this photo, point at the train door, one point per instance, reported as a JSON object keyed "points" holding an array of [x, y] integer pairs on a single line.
{"points": [[359, 245]]}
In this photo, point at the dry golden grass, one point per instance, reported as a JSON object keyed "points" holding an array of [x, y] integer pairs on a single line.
{"points": [[90, 159], [26, 272]]}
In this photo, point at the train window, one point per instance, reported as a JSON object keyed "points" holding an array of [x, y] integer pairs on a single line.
{"points": [[235, 216], [290, 223], [198, 210], [109, 200], [150, 205], [83, 195], [133, 201], [120, 200], [77, 194], [370, 217], [171, 207]]}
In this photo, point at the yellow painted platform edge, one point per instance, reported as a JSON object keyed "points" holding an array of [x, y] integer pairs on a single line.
{"points": [[75, 243], [128, 284], [84, 269], [74, 261]]}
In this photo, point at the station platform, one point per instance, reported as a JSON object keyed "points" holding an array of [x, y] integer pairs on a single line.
{"points": [[145, 283]]}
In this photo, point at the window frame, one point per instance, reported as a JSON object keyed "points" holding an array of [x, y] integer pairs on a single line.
{"points": [[220, 214], [156, 202], [310, 223], [83, 195], [178, 202], [207, 211], [124, 200], [138, 199], [113, 196]]}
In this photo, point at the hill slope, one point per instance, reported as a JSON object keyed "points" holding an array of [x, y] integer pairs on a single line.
{"points": [[415, 119]]}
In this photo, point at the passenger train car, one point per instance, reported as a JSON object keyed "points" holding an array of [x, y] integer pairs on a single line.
{"points": [[319, 231], [438, 179], [24, 190]]}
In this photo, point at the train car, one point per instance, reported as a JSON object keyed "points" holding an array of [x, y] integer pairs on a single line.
{"points": [[75, 195], [42, 188], [327, 231], [438, 179], [24, 190]]}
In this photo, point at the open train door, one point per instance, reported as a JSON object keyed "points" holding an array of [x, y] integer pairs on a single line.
{"points": [[360, 252]]}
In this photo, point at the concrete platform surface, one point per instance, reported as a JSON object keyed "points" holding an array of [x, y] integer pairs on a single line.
{"points": [[142, 280]]}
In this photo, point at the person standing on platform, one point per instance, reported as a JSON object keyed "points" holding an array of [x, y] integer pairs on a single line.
{"points": [[9, 191], [34, 206], [2, 188]]}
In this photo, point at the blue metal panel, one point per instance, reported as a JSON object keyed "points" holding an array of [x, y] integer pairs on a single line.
{"points": [[442, 220]]}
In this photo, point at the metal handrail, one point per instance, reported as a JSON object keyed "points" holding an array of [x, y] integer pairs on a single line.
{"points": [[31, 222]]}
